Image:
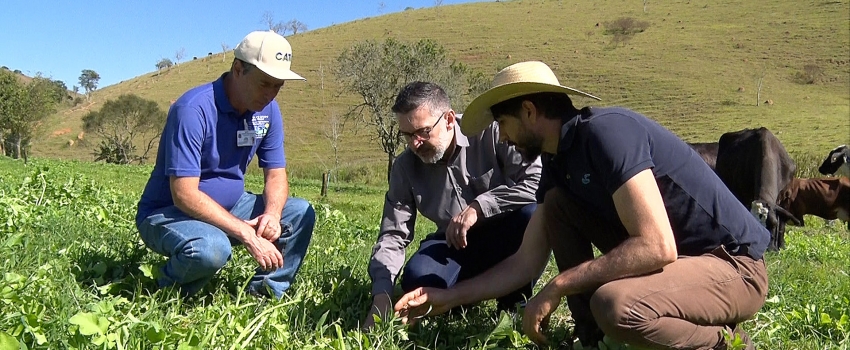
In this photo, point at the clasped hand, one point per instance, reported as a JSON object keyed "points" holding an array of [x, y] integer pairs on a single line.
{"points": [[261, 244]]}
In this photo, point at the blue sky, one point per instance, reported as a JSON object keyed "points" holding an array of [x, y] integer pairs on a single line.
{"points": [[124, 39]]}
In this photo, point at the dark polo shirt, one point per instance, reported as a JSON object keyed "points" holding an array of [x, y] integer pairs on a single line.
{"points": [[602, 148]]}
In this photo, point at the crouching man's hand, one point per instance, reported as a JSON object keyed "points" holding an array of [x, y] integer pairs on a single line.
{"points": [[423, 302], [381, 306]]}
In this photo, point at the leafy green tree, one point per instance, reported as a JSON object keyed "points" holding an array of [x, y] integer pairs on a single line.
{"points": [[58, 89], [89, 80], [164, 63], [22, 108], [376, 71], [121, 124]]}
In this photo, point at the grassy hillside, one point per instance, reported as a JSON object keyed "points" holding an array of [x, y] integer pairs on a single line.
{"points": [[695, 69]]}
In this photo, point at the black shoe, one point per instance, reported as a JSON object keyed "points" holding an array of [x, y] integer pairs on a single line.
{"points": [[588, 334], [260, 293]]}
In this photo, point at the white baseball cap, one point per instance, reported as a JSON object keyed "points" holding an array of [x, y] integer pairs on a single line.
{"points": [[270, 52]]}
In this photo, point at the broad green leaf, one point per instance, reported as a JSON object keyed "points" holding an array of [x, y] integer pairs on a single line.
{"points": [[147, 270], [99, 340], [12, 277], [40, 338], [8, 342], [90, 323], [13, 240], [825, 319], [844, 320], [155, 334], [503, 328]]}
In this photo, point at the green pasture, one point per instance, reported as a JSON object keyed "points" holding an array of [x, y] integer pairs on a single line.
{"points": [[76, 275]]}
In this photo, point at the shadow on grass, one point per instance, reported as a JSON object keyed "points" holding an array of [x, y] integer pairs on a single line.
{"points": [[113, 273]]}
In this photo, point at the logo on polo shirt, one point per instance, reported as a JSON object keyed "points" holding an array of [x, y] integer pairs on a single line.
{"points": [[261, 125], [585, 179]]}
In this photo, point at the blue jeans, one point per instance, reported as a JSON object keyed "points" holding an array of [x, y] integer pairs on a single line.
{"points": [[197, 250], [489, 242]]}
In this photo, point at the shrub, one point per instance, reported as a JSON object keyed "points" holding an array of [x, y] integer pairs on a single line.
{"points": [[624, 28], [811, 74]]}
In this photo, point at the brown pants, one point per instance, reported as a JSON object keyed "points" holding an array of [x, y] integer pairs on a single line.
{"points": [[685, 305]]}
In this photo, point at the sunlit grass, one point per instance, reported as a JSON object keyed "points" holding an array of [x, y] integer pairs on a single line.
{"points": [[75, 274]]}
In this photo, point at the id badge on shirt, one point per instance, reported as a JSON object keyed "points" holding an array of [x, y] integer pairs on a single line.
{"points": [[245, 138]]}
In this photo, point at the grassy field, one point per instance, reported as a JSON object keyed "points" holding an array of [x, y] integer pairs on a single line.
{"points": [[76, 275], [696, 69]]}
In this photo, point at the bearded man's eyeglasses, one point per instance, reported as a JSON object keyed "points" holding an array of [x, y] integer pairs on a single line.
{"points": [[423, 134]]}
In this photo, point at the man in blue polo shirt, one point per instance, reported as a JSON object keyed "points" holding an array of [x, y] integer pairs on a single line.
{"points": [[195, 207], [682, 259]]}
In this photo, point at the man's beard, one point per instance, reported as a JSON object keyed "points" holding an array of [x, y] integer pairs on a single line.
{"points": [[529, 146], [431, 154]]}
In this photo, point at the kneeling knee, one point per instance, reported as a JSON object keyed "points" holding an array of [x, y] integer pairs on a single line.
{"points": [[305, 214], [613, 314], [208, 256]]}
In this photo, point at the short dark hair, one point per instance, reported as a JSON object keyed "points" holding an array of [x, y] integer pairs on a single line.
{"points": [[420, 93], [554, 105]]}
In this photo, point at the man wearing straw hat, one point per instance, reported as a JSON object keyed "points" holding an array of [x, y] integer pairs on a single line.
{"points": [[194, 206], [478, 191], [682, 259]]}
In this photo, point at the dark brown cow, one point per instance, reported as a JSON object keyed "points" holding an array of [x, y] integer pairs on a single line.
{"points": [[827, 197], [837, 162], [756, 167], [707, 151]]}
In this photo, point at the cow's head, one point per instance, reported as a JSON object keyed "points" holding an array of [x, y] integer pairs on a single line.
{"points": [[837, 162]]}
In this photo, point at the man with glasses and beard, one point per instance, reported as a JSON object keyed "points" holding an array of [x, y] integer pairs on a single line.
{"points": [[478, 191]]}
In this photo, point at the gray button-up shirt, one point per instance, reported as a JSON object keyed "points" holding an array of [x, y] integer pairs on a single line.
{"points": [[480, 169]]}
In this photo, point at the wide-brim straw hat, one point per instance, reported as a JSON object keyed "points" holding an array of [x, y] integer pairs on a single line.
{"points": [[518, 79]]}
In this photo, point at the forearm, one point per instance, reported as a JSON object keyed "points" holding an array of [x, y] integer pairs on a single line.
{"points": [[502, 279], [385, 264], [275, 191], [200, 206], [634, 257]]}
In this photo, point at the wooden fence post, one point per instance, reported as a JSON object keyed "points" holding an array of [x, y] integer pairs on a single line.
{"points": [[324, 184]]}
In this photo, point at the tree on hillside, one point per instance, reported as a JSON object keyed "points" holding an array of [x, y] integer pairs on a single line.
{"points": [[376, 71], [121, 124], [178, 55], [224, 48], [294, 26], [276, 26], [164, 64], [57, 88], [22, 108], [88, 81]]}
